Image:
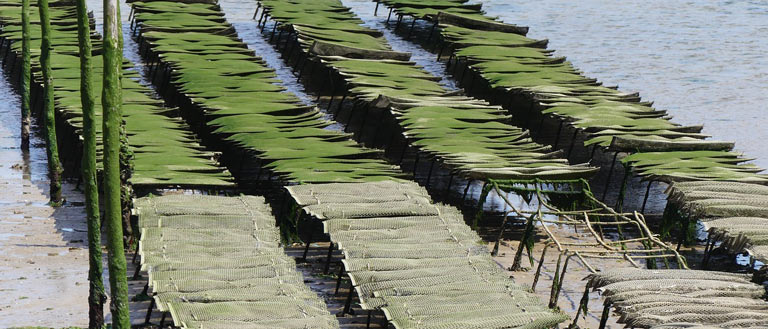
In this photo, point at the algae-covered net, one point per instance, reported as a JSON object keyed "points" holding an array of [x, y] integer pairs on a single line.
{"points": [[216, 262], [735, 214], [471, 137], [165, 152], [418, 261], [235, 95]]}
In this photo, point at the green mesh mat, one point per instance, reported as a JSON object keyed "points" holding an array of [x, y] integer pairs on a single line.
{"points": [[470, 136], [514, 66], [667, 298], [240, 101], [735, 214], [216, 262], [165, 152], [418, 261]]}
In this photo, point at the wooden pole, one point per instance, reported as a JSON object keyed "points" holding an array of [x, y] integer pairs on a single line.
{"points": [[111, 100], [49, 113], [96, 296], [26, 75]]}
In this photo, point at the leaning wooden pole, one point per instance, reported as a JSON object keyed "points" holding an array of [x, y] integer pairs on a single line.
{"points": [[96, 296], [26, 75], [111, 101]]}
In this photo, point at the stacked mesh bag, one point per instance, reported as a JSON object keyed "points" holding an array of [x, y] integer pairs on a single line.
{"points": [[418, 261], [735, 213], [673, 299], [216, 262]]}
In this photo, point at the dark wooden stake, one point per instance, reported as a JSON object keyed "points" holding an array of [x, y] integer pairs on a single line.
{"points": [[538, 268], [328, 259]]}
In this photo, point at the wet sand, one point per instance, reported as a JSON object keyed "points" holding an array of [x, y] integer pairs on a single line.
{"points": [[44, 258]]}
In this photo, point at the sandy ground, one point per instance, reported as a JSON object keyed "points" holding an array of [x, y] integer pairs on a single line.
{"points": [[573, 285], [43, 250]]}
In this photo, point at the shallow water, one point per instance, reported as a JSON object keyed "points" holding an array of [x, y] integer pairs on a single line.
{"points": [[365, 10], [704, 61], [43, 249]]}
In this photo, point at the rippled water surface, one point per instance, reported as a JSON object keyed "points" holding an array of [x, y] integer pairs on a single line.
{"points": [[704, 61]]}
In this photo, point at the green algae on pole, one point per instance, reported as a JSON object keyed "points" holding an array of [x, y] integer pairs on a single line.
{"points": [[97, 296], [111, 101], [49, 112], [26, 75]]}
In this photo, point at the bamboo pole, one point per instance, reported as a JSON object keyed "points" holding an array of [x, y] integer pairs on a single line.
{"points": [[26, 75], [49, 114], [111, 101], [97, 296]]}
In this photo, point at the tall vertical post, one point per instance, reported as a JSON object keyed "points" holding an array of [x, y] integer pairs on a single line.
{"points": [[111, 100], [49, 114], [96, 296], [26, 75]]}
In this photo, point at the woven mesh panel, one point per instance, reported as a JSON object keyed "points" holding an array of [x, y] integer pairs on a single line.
{"points": [[419, 261], [449, 279], [727, 187], [461, 288], [377, 192], [681, 285], [245, 311], [740, 212], [198, 285], [663, 307], [317, 322], [224, 274], [197, 222], [435, 233], [417, 253], [684, 326], [363, 277], [707, 316], [757, 202], [646, 298], [760, 252], [481, 319], [393, 223], [192, 263], [367, 210], [630, 274], [755, 294], [216, 262], [389, 264]]}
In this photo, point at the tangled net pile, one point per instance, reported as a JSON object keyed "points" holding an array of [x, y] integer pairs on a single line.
{"points": [[216, 262]]}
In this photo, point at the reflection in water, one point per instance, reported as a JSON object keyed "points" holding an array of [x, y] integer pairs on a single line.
{"points": [[704, 61]]}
